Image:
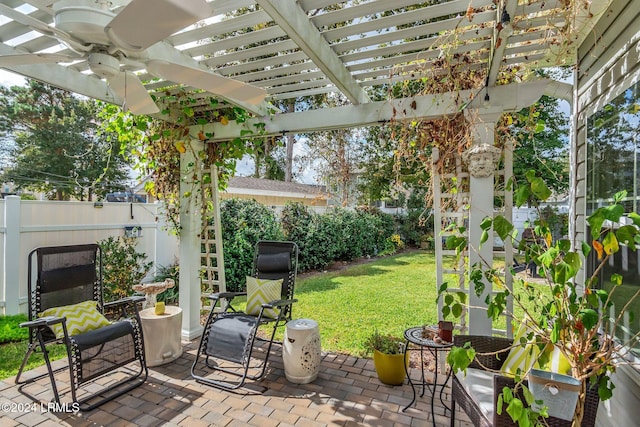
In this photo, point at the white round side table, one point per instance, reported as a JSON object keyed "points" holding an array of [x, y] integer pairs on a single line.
{"points": [[162, 335]]}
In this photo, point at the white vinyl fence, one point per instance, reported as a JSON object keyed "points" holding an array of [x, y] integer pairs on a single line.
{"points": [[29, 224]]}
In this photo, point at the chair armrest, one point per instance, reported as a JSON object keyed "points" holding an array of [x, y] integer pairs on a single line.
{"points": [[491, 352], [279, 303], [228, 295], [42, 321], [122, 301]]}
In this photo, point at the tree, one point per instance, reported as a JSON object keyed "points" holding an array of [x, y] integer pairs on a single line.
{"points": [[55, 146], [541, 142]]}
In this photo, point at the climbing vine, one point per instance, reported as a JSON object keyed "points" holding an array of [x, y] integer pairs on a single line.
{"points": [[156, 143]]}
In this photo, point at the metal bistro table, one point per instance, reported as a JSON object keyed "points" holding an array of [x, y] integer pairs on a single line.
{"points": [[414, 336]]}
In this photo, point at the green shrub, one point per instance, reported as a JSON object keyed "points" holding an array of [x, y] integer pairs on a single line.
{"points": [[244, 223], [413, 225], [122, 267], [171, 295], [339, 234]]}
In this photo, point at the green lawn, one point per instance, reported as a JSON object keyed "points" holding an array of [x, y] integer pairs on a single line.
{"points": [[13, 346], [390, 294]]}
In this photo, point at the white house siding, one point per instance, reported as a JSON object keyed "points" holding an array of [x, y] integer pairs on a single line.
{"points": [[609, 63]]}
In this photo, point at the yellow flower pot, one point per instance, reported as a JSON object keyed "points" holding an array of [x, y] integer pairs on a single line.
{"points": [[391, 368]]}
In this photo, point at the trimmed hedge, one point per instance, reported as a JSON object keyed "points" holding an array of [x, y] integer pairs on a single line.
{"points": [[340, 234], [244, 223]]}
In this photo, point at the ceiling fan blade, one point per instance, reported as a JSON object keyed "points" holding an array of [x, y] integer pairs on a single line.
{"points": [[211, 82], [32, 58], [133, 93], [143, 23]]}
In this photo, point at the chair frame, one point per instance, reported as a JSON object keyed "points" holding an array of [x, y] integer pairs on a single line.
{"points": [[264, 247], [41, 335], [491, 352]]}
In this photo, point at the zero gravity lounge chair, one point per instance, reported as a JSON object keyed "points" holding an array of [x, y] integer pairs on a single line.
{"points": [[229, 350], [66, 308]]}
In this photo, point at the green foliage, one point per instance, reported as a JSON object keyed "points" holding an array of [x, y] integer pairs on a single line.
{"points": [[572, 314], [169, 296], [388, 344], [10, 330], [13, 346], [244, 223], [122, 267], [459, 358], [338, 235], [57, 146], [413, 225], [540, 142]]}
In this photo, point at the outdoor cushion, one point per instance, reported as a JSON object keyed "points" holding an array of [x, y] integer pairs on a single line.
{"points": [[553, 360], [523, 355], [478, 384], [262, 291], [81, 317]]}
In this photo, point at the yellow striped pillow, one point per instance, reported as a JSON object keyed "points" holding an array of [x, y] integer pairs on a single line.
{"points": [[81, 317], [523, 356], [262, 291]]}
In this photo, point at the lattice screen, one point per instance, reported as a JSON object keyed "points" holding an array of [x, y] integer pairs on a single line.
{"points": [[212, 257]]}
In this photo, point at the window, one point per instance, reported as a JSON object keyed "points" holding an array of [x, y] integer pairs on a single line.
{"points": [[613, 136]]}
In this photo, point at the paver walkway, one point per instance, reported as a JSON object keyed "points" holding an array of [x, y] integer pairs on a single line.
{"points": [[346, 393]]}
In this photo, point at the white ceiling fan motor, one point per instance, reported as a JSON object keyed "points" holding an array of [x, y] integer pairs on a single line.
{"points": [[104, 65]]}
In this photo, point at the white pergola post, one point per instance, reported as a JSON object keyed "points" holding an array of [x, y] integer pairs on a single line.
{"points": [[481, 206], [11, 273], [190, 239]]}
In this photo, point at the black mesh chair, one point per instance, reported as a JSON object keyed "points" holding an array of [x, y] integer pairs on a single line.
{"points": [[226, 356], [64, 276]]}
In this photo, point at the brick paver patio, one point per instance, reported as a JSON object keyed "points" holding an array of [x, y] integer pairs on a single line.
{"points": [[346, 393]]}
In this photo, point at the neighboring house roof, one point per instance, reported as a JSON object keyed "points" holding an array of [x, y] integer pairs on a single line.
{"points": [[250, 185]]}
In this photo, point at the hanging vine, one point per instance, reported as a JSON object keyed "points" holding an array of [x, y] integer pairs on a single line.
{"points": [[156, 144]]}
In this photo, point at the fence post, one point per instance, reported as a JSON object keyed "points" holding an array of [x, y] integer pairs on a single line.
{"points": [[12, 252]]}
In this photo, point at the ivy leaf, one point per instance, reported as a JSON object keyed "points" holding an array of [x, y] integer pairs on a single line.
{"points": [[484, 237], [610, 243], [597, 246], [459, 358], [540, 189], [515, 409], [572, 260], [626, 234], [502, 227], [614, 212], [595, 221], [635, 218], [456, 310], [486, 223], [522, 194], [616, 279], [589, 318]]}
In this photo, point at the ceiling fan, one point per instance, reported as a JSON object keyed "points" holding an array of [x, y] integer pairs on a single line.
{"points": [[108, 33]]}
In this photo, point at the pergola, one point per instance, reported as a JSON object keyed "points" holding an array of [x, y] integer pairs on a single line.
{"points": [[293, 49]]}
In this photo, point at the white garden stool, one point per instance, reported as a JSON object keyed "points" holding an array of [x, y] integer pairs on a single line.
{"points": [[162, 335], [301, 351]]}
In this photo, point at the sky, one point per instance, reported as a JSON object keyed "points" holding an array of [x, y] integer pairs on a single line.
{"points": [[245, 166], [10, 79]]}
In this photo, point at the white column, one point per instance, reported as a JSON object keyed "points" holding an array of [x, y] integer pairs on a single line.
{"points": [[11, 273], [190, 230], [481, 206]]}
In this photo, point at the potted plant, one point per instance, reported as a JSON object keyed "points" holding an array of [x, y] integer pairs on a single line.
{"points": [[389, 357], [569, 313]]}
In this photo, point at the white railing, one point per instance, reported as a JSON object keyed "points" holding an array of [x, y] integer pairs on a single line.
{"points": [[29, 224]]}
